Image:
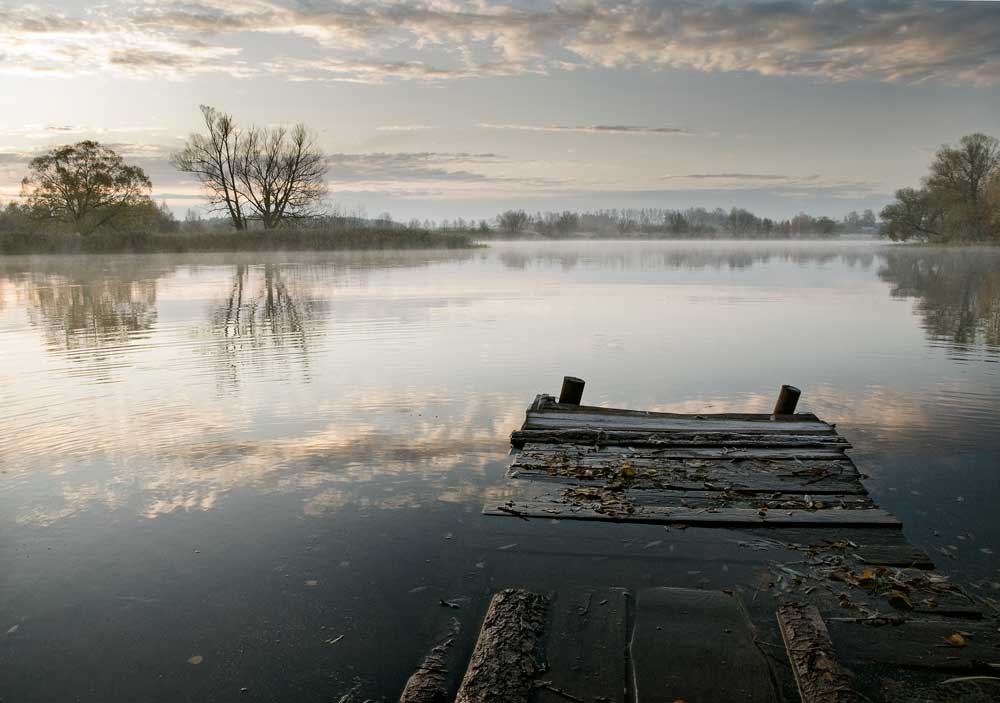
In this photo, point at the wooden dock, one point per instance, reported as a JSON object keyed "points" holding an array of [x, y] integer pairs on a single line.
{"points": [[859, 615]]}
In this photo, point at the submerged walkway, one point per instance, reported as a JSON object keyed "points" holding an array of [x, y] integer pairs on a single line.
{"points": [[861, 616]]}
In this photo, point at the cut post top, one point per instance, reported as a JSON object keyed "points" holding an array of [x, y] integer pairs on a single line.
{"points": [[572, 390], [788, 398]]}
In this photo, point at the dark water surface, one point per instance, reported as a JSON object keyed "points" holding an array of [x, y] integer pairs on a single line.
{"points": [[240, 458]]}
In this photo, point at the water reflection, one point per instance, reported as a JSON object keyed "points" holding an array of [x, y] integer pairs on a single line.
{"points": [[957, 292], [682, 255], [267, 314]]}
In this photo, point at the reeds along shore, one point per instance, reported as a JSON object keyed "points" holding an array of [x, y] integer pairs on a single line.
{"points": [[15, 242]]}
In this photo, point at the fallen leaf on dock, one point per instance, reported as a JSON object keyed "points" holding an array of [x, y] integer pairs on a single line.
{"points": [[312, 583], [507, 546], [957, 640], [196, 659]]}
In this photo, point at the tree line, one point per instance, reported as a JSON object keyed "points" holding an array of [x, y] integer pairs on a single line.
{"points": [[691, 223]]}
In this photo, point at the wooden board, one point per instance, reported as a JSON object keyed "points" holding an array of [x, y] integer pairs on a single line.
{"points": [[696, 646], [573, 451], [918, 644], [674, 439], [585, 646], [818, 675], [894, 555], [560, 420], [706, 474], [736, 517]]}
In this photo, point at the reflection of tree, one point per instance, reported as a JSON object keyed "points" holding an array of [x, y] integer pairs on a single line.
{"points": [[679, 255], [91, 311], [265, 309], [958, 292]]}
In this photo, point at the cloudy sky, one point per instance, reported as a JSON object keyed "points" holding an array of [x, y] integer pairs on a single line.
{"points": [[444, 108]]}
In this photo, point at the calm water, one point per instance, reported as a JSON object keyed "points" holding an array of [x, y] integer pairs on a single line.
{"points": [[243, 457]]}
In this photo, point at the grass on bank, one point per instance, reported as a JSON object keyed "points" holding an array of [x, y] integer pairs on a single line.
{"points": [[143, 242]]}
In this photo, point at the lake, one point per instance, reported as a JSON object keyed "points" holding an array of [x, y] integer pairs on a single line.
{"points": [[253, 476]]}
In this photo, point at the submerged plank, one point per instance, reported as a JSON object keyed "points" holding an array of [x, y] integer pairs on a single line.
{"points": [[919, 644], [506, 656], [696, 646], [894, 555], [818, 675], [585, 646], [735, 517]]}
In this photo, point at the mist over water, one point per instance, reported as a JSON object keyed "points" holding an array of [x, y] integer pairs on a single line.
{"points": [[243, 456]]}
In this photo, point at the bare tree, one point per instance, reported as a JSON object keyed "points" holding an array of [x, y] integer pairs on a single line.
{"points": [[273, 174], [213, 158], [281, 174], [86, 184]]}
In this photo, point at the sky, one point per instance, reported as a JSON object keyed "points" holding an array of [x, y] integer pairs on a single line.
{"points": [[446, 108]]}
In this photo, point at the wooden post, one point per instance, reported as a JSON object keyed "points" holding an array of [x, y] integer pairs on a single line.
{"points": [[787, 400], [572, 390]]}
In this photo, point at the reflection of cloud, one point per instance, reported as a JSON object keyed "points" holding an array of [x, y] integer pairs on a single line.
{"points": [[190, 460]]}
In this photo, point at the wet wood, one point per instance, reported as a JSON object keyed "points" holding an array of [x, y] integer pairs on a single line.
{"points": [[788, 398], [553, 452], [507, 654], [572, 390], [585, 646], [427, 684], [818, 675], [732, 517], [921, 644], [894, 555], [696, 646], [562, 420], [639, 438]]}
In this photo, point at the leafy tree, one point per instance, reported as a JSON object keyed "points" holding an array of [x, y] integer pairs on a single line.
{"points": [[86, 185], [960, 197]]}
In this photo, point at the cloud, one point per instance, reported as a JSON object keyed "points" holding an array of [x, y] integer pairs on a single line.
{"points": [[905, 41], [734, 176], [376, 170], [593, 129], [404, 128]]}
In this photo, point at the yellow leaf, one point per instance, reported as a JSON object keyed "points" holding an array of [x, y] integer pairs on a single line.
{"points": [[957, 640], [196, 659], [898, 599]]}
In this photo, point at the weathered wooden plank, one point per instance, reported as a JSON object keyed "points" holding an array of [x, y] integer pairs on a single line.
{"points": [[719, 479], [894, 555], [585, 646], [570, 451], [427, 684], [818, 674], [923, 644], [506, 657], [665, 515], [550, 406], [547, 420], [751, 499], [696, 646], [640, 438]]}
